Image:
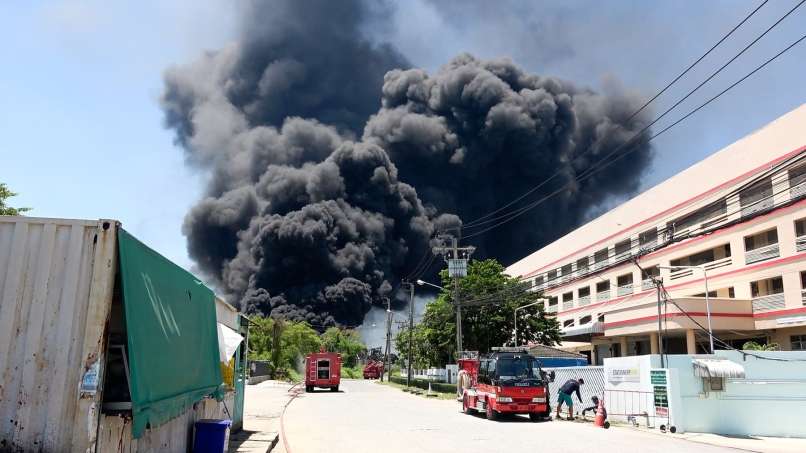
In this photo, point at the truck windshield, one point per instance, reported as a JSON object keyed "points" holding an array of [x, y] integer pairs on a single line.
{"points": [[520, 369]]}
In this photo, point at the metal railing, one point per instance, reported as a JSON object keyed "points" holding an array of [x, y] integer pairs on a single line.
{"points": [[762, 253], [633, 406], [687, 272], [603, 296], [803, 296], [800, 243], [568, 304], [797, 191], [584, 300], [770, 302], [757, 206], [623, 290], [647, 284], [551, 309]]}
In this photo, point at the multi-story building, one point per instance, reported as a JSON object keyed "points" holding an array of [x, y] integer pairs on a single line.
{"points": [[734, 223]]}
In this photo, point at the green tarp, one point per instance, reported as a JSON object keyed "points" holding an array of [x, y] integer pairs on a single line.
{"points": [[172, 337]]}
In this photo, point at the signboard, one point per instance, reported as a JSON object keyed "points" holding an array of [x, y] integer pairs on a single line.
{"points": [[457, 268], [660, 391], [623, 375]]}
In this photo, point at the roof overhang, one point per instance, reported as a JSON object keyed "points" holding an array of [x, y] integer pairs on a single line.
{"points": [[583, 332], [717, 368]]}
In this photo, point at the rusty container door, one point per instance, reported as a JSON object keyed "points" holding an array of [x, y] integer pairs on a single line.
{"points": [[56, 283]]}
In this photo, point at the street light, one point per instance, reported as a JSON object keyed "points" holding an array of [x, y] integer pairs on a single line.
{"points": [[539, 301], [707, 299], [422, 282]]}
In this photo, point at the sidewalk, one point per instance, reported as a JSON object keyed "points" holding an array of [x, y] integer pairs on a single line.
{"points": [[746, 443], [750, 443], [263, 406]]}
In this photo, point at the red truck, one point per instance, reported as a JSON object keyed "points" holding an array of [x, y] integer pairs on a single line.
{"points": [[506, 381], [323, 370], [373, 370]]}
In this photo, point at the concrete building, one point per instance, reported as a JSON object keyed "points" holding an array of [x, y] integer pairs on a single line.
{"points": [[737, 217]]}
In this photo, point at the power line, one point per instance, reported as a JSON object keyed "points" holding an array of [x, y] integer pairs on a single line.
{"points": [[658, 94], [603, 163]]}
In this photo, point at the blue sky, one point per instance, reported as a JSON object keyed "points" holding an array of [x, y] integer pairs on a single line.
{"points": [[81, 131]]}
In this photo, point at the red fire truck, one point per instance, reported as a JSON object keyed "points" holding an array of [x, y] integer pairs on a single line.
{"points": [[322, 369], [506, 381], [373, 370]]}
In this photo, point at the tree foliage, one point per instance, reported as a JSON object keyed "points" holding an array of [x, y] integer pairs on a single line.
{"points": [[346, 342], [753, 346], [5, 194], [283, 342], [487, 320]]}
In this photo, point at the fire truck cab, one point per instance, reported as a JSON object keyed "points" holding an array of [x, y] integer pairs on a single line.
{"points": [[506, 381]]}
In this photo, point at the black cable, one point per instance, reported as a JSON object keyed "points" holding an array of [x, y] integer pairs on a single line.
{"points": [[658, 94], [603, 163]]}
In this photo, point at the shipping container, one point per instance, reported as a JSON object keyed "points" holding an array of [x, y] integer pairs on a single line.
{"points": [[84, 307]]}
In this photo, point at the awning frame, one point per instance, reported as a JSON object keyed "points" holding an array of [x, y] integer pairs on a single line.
{"points": [[717, 368]]}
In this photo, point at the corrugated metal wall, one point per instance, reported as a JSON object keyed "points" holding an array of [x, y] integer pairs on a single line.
{"points": [[51, 325]]}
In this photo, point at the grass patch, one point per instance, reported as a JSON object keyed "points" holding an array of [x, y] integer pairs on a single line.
{"points": [[417, 391]]}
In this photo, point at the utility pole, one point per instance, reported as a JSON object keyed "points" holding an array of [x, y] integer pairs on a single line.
{"points": [[657, 282], [388, 339], [411, 331], [457, 258]]}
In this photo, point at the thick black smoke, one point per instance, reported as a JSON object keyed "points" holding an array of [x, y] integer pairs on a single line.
{"points": [[303, 220], [478, 134]]}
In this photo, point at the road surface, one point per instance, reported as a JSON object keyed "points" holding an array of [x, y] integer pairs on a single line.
{"points": [[369, 417]]}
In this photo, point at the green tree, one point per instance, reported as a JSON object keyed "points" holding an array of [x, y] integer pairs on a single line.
{"points": [[344, 341], [5, 194], [753, 346], [487, 320], [280, 342]]}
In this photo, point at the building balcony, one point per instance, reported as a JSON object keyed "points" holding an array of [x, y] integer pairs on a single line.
{"points": [[803, 296], [642, 319], [551, 308], [681, 273], [624, 290], [762, 254], [800, 243], [603, 296], [568, 304], [647, 284], [584, 300], [798, 190], [757, 206], [769, 302]]}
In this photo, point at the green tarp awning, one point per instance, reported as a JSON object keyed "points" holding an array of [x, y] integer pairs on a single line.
{"points": [[172, 337]]}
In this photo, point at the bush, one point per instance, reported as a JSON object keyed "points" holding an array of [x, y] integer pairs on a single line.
{"points": [[440, 387]]}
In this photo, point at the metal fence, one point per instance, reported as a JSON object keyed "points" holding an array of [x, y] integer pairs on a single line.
{"points": [[594, 384]]}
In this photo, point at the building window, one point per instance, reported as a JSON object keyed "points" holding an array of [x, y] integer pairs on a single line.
{"points": [[797, 178], [731, 293], [568, 297], [601, 317], [566, 271], [798, 342], [551, 277], [568, 323], [584, 292], [707, 216], [600, 258], [553, 301], [624, 283], [704, 257], [767, 287], [603, 287], [622, 249], [800, 227], [756, 197], [585, 320], [648, 238], [582, 264], [539, 280]]}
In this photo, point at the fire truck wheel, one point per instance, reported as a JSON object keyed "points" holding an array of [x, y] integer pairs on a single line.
{"points": [[465, 406], [308, 389], [491, 414], [334, 389], [535, 417]]}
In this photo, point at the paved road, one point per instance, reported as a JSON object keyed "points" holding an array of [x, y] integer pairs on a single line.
{"points": [[369, 417]]}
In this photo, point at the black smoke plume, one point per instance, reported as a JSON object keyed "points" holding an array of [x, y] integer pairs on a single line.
{"points": [[312, 212]]}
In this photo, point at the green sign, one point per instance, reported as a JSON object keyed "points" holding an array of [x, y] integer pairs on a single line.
{"points": [[657, 377]]}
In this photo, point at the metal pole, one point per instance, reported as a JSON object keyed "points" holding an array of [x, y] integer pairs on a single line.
{"points": [[660, 331], [411, 331], [708, 309], [388, 338], [456, 300], [516, 327]]}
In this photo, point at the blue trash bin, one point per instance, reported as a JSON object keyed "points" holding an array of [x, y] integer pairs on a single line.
{"points": [[211, 436]]}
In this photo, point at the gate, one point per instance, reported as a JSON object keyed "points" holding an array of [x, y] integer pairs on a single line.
{"points": [[594, 384]]}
